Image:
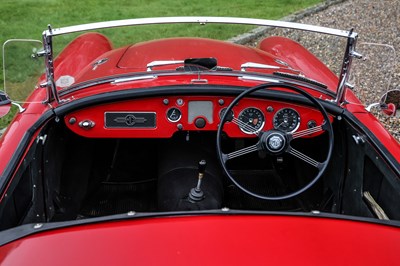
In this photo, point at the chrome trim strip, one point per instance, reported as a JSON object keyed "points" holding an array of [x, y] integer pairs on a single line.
{"points": [[121, 80], [200, 20], [239, 75], [163, 63], [255, 78], [257, 65]]}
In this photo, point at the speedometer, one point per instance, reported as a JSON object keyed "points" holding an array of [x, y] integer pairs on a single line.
{"points": [[287, 120], [251, 120]]}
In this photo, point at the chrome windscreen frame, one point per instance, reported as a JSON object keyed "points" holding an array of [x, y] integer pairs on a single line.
{"points": [[345, 69]]}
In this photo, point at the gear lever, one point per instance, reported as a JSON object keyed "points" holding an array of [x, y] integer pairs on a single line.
{"points": [[196, 194]]}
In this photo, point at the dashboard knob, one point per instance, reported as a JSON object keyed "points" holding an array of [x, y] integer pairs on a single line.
{"points": [[311, 124], [200, 122], [86, 124]]}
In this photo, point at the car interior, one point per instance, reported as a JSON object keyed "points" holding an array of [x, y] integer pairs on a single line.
{"points": [[159, 154]]}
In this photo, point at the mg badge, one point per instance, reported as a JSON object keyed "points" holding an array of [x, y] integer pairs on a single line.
{"points": [[275, 142], [130, 120]]}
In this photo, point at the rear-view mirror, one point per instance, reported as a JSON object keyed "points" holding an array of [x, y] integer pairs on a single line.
{"points": [[5, 104], [390, 103]]}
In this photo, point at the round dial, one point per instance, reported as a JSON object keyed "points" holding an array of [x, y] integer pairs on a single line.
{"points": [[251, 120], [229, 117], [287, 120], [174, 114]]}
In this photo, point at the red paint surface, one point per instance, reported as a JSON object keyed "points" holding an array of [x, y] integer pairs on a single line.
{"points": [[211, 240], [136, 57], [299, 58], [79, 53], [227, 54]]}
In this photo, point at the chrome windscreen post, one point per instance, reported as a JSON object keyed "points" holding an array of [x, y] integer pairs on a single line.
{"points": [[48, 49], [345, 70]]}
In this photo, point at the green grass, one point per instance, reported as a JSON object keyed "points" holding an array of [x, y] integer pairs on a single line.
{"points": [[28, 18]]}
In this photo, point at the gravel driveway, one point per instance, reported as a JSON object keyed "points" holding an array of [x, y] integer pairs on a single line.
{"points": [[375, 22]]}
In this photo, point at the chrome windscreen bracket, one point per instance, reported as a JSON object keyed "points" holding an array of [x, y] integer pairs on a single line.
{"points": [[356, 55], [346, 66], [48, 53]]}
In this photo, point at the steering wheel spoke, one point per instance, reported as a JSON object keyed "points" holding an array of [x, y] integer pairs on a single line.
{"points": [[245, 126], [242, 152], [306, 132], [305, 158]]}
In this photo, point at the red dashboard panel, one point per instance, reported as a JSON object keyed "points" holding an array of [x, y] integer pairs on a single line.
{"points": [[161, 117]]}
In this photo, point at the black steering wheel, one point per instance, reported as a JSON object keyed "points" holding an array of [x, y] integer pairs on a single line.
{"points": [[276, 142]]}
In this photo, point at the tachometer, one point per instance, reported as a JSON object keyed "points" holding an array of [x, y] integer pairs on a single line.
{"points": [[287, 119], [251, 120]]}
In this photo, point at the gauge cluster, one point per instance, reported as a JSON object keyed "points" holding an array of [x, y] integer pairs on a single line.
{"points": [[162, 117]]}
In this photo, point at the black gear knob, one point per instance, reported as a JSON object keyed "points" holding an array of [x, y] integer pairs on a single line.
{"points": [[202, 167]]}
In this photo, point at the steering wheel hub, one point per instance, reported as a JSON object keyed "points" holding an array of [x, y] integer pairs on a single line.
{"points": [[274, 142]]}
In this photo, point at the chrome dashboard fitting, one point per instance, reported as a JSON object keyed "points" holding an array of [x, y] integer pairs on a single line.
{"points": [[87, 124], [37, 226]]}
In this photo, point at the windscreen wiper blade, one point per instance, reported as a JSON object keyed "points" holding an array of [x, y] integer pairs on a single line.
{"points": [[200, 63], [301, 78]]}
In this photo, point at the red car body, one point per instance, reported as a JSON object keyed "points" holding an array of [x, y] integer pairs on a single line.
{"points": [[234, 236]]}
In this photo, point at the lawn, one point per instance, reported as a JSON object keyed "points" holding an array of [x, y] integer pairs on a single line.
{"points": [[28, 18]]}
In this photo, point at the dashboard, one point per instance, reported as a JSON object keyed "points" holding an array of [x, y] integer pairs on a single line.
{"points": [[161, 117]]}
